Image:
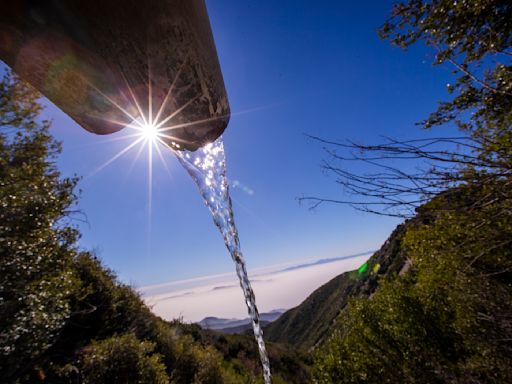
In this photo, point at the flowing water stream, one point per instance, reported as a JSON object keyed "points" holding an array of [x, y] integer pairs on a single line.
{"points": [[207, 166]]}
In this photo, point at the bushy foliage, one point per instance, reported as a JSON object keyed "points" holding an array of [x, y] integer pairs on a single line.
{"points": [[36, 245], [239, 357], [122, 359], [197, 364], [450, 318], [464, 262]]}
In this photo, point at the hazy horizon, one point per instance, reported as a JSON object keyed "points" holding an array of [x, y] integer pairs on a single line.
{"points": [[282, 286]]}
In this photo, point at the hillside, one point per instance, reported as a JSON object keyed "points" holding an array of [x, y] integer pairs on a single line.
{"points": [[307, 324], [110, 325]]}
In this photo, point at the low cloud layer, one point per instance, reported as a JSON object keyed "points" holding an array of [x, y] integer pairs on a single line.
{"points": [[221, 296]]}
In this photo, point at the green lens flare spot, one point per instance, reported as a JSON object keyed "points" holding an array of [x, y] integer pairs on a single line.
{"points": [[363, 268]]}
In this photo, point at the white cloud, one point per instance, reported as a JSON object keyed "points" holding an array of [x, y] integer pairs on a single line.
{"points": [[221, 296]]}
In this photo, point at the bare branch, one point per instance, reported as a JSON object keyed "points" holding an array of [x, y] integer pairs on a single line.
{"points": [[386, 188]]}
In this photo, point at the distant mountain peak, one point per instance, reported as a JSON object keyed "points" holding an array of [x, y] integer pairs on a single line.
{"points": [[238, 325]]}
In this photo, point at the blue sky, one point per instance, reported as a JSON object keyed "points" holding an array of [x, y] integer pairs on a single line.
{"points": [[290, 68]]}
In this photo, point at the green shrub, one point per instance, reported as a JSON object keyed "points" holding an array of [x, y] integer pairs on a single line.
{"points": [[122, 359], [196, 364]]}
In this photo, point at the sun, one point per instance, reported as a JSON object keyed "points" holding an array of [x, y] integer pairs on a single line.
{"points": [[150, 132]]}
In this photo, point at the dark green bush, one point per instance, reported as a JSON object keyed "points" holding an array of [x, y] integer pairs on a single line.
{"points": [[122, 359]]}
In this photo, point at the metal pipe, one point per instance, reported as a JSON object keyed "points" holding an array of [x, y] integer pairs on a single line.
{"points": [[106, 63]]}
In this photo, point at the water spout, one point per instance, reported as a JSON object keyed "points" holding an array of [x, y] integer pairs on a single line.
{"points": [[207, 167]]}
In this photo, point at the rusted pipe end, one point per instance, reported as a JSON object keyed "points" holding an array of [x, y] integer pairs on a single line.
{"points": [[105, 65]]}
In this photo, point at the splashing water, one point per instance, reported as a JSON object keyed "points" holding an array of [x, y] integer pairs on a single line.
{"points": [[207, 166]]}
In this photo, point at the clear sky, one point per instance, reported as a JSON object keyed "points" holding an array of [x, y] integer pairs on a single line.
{"points": [[291, 67]]}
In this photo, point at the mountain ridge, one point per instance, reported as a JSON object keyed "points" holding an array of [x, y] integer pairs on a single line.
{"points": [[308, 323], [238, 325]]}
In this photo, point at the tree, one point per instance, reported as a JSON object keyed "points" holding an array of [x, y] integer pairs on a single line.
{"points": [[475, 38], [450, 318], [37, 245]]}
